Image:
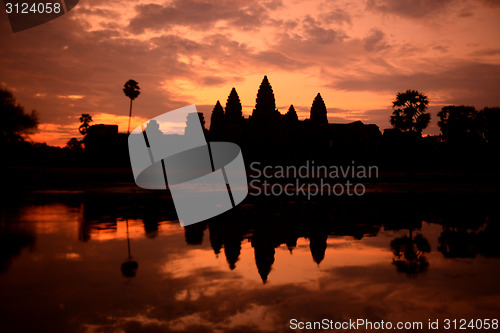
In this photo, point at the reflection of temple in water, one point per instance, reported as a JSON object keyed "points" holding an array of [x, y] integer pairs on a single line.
{"points": [[102, 213], [267, 226], [266, 232]]}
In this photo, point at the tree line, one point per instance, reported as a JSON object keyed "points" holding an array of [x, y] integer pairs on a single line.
{"points": [[459, 124]]}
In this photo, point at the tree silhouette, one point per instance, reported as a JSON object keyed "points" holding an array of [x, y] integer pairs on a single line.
{"points": [[74, 144], [410, 112], [131, 90], [318, 111], [491, 125], [265, 104], [85, 119], [233, 106], [460, 124], [291, 115], [15, 123]]}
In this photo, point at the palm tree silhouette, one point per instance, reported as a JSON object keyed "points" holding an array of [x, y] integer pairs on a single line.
{"points": [[131, 90], [410, 111], [85, 119]]}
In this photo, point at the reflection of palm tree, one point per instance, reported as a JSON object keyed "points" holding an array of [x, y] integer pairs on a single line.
{"points": [[129, 267], [131, 90], [409, 253]]}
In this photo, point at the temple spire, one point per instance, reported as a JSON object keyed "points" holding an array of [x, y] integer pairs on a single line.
{"points": [[265, 104], [318, 111]]}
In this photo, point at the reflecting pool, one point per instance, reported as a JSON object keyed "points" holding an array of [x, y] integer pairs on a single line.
{"points": [[78, 262]]}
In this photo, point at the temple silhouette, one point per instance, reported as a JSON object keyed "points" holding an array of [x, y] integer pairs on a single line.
{"points": [[269, 135], [266, 135]]}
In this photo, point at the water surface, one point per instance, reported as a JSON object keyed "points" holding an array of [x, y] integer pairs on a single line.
{"points": [[65, 265]]}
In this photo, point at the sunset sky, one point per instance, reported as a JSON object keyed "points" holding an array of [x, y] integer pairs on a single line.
{"points": [[357, 54]]}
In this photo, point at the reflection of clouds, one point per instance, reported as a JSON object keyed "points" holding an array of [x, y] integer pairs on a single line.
{"points": [[185, 288], [438, 293], [50, 219], [70, 256], [345, 288], [118, 231], [188, 263], [240, 322]]}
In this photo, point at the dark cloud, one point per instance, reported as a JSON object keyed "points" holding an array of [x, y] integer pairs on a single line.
{"points": [[464, 13], [375, 41], [408, 8], [212, 80], [91, 64], [486, 52], [465, 83], [440, 48], [337, 15], [95, 65], [421, 9], [316, 33], [199, 14], [490, 3], [311, 43], [99, 12], [278, 60], [273, 4]]}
